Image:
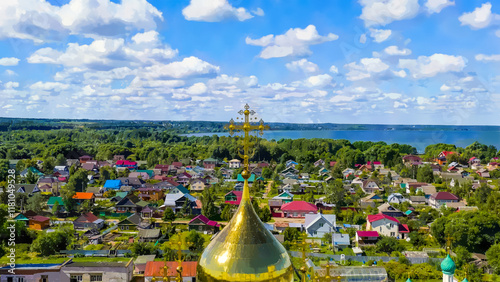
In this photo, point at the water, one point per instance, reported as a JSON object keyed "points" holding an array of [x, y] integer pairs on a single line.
{"points": [[417, 138]]}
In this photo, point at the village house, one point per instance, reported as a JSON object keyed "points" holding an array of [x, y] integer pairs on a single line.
{"points": [[88, 221], [233, 197], [341, 241], [150, 194], [319, 162], [133, 222], [209, 163], [84, 159], [285, 197], [176, 201], [29, 189], [440, 198], [370, 200], [483, 173], [148, 235], [202, 224], [97, 271], [298, 209], [411, 160], [389, 210], [234, 163], [442, 157], [126, 163], [38, 222], [396, 198], [198, 184], [366, 238], [112, 184], [52, 184], [387, 226], [128, 205], [317, 225], [81, 197], [370, 186], [155, 269]]}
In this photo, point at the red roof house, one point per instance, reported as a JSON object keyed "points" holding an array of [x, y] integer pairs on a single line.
{"points": [[233, 197], [440, 198], [202, 223], [375, 217], [298, 209]]}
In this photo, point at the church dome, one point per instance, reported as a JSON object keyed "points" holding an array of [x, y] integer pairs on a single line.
{"points": [[245, 251], [448, 266]]}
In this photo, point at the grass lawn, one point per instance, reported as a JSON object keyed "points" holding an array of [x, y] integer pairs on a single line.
{"points": [[53, 259]]}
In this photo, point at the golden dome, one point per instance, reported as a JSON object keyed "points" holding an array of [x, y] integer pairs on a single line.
{"points": [[245, 251]]}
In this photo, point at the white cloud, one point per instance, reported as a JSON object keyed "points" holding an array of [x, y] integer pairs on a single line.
{"points": [[435, 6], [393, 96], [11, 85], [191, 66], [446, 88], [365, 69], [334, 69], [380, 35], [382, 12], [295, 42], [49, 86], [319, 81], [497, 33], [106, 53], [400, 73], [197, 89], [395, 51], [487, 58], [423, 100], [479, 18], [9, 61], [302, 65], [362, 38], [398, 104], [216, 11], [431, 66], [40, 21], [342, 99], [146, 37]]}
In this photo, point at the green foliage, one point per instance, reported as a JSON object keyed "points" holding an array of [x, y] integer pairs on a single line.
{"points": [[265, 214], [208, 199], [31, 178], [388, 245], [227, 213], [474, 230], [36, 203], [195, 240], [168, 215], [463, 256], [291, 234], [493, 256], [4, 168], [51, 243], [142, 248], [425, 174], [335, 193]]}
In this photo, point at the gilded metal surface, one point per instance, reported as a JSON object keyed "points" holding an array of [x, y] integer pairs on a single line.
{"points": [[245, 251]]}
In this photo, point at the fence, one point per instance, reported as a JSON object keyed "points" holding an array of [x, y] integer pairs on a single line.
{"points": [[413, 260]]}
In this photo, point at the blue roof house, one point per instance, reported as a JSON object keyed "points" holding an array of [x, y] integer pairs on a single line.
{"points": [[113, 184]]}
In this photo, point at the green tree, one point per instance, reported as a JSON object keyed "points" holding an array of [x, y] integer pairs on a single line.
{"points": [[168, 215], [463, 256], [335, 193], [36, 203], [291, 234], [51, 243], [195, 240], [186, 208], [48, 165], [60, 159], [31, 178], [425, 174], [142, 248], [208, 208], [493, 257], [4, 168], [388, 245], [227, 213], [55, 208], [265, 214]]}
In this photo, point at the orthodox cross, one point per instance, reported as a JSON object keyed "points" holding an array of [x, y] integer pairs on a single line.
{"points": [[303, 247], [246, 127]]}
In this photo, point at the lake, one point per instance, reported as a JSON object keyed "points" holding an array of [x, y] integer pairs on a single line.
{"points": [[417, 138]]}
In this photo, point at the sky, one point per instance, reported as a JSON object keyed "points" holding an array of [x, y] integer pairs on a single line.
{"points": [[366, 61]]}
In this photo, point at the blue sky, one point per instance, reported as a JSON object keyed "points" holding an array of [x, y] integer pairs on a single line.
{"points": [[366, 61]]}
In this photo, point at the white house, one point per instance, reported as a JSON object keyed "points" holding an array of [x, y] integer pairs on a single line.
{"points": [[370, 186], [386, 225], [396, 198], [440, 198], [234, 163], [317, 225]]}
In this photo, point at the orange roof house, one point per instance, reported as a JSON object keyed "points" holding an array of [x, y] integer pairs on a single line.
{"points": [[155, 269], [80, 197]]}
